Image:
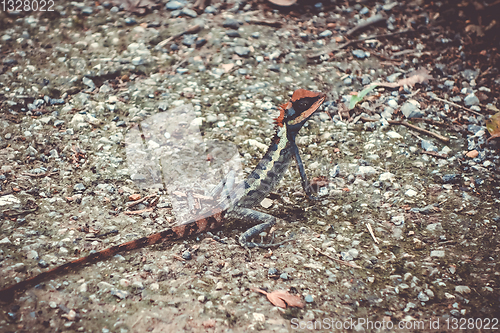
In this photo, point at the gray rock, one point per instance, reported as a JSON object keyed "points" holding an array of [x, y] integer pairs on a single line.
{"points": [[19, 267], [354, 253], [274, 68], [325, 34], [174, 5], [242, 51], [346, 256], [121, 294], [56, 101], [438, 253], [87, 11], [137, 61], [360, 54], [422, 297], [189, 12], [210, 10], [470, 74], [462, 289], [5, 241], [233, 33], [428, 146], [88, 82], [471, 99], [79, 187], [411, 109], [450, 178], [392, 103], [186, 255], [231, 23], [394, 77], [9, 200], [189, 40], [9, 61], [449, 84], [130, 21], [200, 42]]}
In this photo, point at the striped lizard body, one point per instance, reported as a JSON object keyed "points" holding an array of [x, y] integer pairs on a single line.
{"points": [[262, 180]]}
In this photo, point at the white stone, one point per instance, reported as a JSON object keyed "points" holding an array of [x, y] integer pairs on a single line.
{"points": [[394, 135], [9, 200], [411, 193]]}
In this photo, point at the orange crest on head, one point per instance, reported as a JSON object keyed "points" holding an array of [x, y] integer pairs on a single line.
{"points": [[301, 93], [297, 94], [279, 120]]}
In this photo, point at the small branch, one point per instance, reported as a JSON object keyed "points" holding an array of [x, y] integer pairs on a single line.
{"points": [[45, 174], [434, 154], [191, 30], [138, 212], [351, 42], [457, 105], [366, 23], [133, 203], [369, 227], [342, 262], [404, 123], [275, 24]]}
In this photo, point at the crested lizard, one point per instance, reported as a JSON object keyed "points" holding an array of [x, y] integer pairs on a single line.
{"points": [[238, 202]]}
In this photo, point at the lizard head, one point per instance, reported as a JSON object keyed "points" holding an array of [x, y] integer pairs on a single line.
{"points": [[300, 108]]}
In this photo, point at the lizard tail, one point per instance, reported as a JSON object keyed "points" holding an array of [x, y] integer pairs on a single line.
{"points": [[178, 232]]}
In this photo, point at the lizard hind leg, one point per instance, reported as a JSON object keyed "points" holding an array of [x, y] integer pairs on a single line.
{"points": [[264, 221]]}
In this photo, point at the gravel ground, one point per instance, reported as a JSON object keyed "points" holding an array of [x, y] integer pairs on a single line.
{"points": [[76, 83]]}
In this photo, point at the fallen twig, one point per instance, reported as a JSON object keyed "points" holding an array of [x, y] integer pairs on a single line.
{"points": [[457, 105], [137, 212], [375, 19], [191, 30], [275, 24], [133, 203], [369, 227], [12, 212], [434, 154], [404, 123], [342, 262], [45, 174], [351, 42]]}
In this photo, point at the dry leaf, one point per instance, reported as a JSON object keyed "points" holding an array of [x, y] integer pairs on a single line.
{"points": [[419, 76], [281, 298], [493, 126]]}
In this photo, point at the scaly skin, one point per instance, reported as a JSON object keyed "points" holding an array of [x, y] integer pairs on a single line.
{"points": [[262, 180]]}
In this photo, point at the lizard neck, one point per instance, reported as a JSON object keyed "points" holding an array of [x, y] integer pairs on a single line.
{"points": [[270, 170]]}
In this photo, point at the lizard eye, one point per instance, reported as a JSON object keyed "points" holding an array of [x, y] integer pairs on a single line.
{"points": [[303, 105]]}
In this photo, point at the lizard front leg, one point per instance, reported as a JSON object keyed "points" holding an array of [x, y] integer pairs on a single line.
{"points": [[247, 214], [303, 177]]}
